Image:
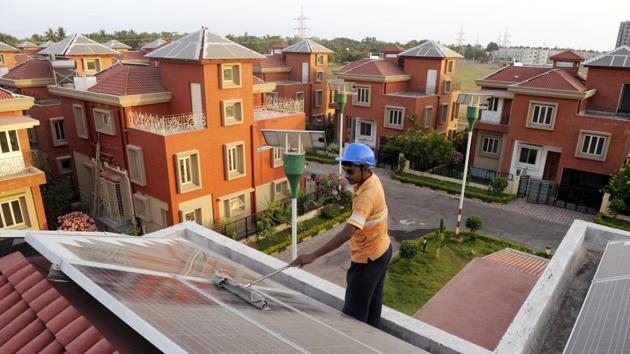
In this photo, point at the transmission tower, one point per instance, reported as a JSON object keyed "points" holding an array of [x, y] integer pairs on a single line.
{"points": [[506, 38], [301, 28], [460, 37]]}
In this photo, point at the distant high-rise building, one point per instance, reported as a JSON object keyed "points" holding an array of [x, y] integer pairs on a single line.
{"points": [[623, 38]]}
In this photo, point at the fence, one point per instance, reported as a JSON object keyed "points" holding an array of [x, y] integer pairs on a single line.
{"points": [[248, 226], [567, 196], [475, 175]]}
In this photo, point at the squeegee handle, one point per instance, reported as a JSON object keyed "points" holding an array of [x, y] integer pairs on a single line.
{"points": [[266, 276]]}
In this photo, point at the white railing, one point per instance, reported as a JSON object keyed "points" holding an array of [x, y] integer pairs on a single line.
{"points": [[277, 107], [11, 165], [169, 124]]}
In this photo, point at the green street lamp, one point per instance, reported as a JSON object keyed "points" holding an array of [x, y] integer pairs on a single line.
{"points": [[343, 90]]}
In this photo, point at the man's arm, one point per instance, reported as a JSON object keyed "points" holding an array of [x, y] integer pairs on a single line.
{"points": [[332, 244]]}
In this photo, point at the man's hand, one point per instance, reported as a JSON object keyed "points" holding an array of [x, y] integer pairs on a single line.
{"points": [[303, 260]]}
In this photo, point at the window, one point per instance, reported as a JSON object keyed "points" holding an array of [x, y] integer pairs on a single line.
{"points": [[142, 206], [490, 146], [299, 96], [234, 160], [2, 59], [276, 157], [12, 213], [103, 121], [58, 131], [137, 173], [79, 121], [493, 104], [365, 129], [319, 76], [9, 141], [64, 164], [362, 98], [448, 68], [593, 145], [394, 117], [32, 135], [541, 116], [194, 216], [232, 112], [230, 75], [428, 116], [188, 172], [280, 190], [447, 86], [235, 206], [333, 97], [320, 59], [443, 113], [528, 156], [319, 98], [91, 66]]}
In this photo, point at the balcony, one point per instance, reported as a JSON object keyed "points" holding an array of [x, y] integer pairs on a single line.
{"points": [[278, 107], [13, 165], [167, 124]]}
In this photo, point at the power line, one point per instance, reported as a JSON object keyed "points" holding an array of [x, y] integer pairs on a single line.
{"points": [[301, 28]]}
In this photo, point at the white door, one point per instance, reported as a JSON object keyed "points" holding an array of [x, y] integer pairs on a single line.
{"points": [[365, 132], [431, 81], [304, 72], [195, 97]]}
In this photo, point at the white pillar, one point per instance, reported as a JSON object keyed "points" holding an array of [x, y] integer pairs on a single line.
{"points": [[461, 195], [340, 140], [293, 228]]}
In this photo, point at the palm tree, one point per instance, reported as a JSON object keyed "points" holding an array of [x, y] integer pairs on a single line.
{"points": [[50, 35], [61, 33]]}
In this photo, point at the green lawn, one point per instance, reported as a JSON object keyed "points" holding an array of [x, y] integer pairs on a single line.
{"points": [[467, 72], [412, 282], [611, 222], [321, 158]]}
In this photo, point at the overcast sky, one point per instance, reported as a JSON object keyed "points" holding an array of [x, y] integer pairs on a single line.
{"points": [[561, 23]]}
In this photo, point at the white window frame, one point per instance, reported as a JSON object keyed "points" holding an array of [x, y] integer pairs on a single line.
{"points": [[62, 170], [193, 176], [80, 121], [237, 106], [54, 123], [448, 67], [11, 149], [298, 94], [142, 206], [527, 164], [280, 189], [319, 76], [237, 78], [428, 117], [482, 146], [444, 113], [277, 159], [137, 171], [360, 134], [100, 124], [91, 72], [22, 208], [389, 111], [446, 86], [197, 216], [114, 204], [540, 107], [362, 99], [579, 150], [234, 154], [318, 98], [493, 104]]}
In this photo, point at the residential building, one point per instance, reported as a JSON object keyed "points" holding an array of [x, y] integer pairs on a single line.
{"points": [[298, 72], [407, 88], [7, 58], [117, 45], [45, 45], [534, 55], [61, 63], [153, 45], [21, 204], [28, 47], [623, 38], [159, 144], [552, 125]]}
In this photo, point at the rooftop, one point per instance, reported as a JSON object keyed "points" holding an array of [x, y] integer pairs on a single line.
{"points": [[555, 79], [617, 58], [116, 44], [128, 79], [46, 44], [371, 67], [514, 74], [271, 61], [7, 48], [26, 44], [202, 45], [77, 44], [409, 94], [306, 46], [30, 69], [567, 55], [430, 49], [154, 44]]}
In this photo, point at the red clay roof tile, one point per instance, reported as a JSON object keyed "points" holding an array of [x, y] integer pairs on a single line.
{"points": [[518, 260], [30, 69], [567, 55], [35, 318], [556, 79], [393, 48], [516, 73], [128, 79], [5, 95], [272, 61], [372, 67]]}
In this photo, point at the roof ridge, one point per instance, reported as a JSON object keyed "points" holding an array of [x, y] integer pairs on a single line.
{"points": [[367, 61]]}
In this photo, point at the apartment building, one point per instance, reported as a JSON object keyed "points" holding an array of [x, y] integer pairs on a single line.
{"points": [[406, 88], [554, 125], [297, 72], [7, 58], [21, 206], [623, 37], [176, 140]]}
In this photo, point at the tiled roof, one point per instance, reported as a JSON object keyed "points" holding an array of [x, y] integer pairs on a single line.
{"points": [[128, 79], [556, 79], [617, 58], [46, 44], [279, 46], [154, 44], [394, 48], [516, 73], [26, 44], [132, 55], [36, 318], [115, 44], [430, 49], [568, 55], [30, 69], [272, 61], [518, 260], [7, 48], [203, 45], [306, 46], [5, 95], [20, 58], [373, 67], [77, 44]]}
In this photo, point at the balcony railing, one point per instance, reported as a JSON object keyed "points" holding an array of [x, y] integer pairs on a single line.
{"points": [[167, 125], [278, 107], [11, 165]]}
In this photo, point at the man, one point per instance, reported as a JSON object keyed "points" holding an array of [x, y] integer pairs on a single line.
{"points": [[366, 229]]}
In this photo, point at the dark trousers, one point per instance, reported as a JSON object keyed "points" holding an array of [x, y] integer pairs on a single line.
{"points": [[364, 293]]}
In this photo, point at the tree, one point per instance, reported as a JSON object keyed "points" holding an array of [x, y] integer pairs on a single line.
{"points": [[474, 223], [619, 189], [50, 35], [492, 46], [61, 33]]}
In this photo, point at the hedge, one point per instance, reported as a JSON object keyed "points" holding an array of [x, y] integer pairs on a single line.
{"points": [[611, 222], [454, 188], [310, 156]]}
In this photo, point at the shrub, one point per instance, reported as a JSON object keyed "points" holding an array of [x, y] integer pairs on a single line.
{"points": [[619, 188], [499, 185], [473, 223], [617, 206], [402, 161], [408, 249], [330, 211], [76, 221]]}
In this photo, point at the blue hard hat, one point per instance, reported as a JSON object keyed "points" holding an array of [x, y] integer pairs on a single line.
{"points": [[359, 154]]}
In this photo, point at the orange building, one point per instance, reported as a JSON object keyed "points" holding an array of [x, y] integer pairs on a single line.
{"points": [[555, 125], [298, 72], [21, 204], [7, 58], [176, 140], [417, 82], [60, 63], [117, 45]]}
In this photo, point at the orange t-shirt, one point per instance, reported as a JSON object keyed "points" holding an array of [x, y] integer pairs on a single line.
{"points": [[369, 215]]}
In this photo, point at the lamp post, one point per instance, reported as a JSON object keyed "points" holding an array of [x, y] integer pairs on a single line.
{"points": [[472, 114], [343, 90]]}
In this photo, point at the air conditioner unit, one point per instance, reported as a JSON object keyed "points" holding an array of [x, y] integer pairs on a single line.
{"points": [[142, 206]]}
